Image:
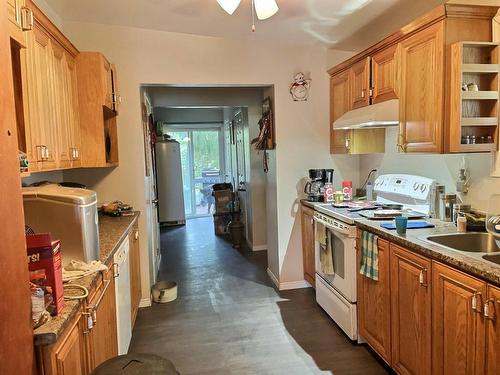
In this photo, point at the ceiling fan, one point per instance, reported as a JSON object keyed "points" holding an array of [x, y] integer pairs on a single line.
{"points": [[264, 8]]}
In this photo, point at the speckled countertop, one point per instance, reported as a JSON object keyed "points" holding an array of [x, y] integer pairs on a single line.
{"points": [[414, 240], [112, 231]]}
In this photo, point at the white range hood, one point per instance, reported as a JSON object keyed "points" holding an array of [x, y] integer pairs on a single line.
{"points": [[378, 115]]}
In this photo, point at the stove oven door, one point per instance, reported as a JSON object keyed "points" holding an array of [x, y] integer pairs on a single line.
{"points": [[344, 263]]}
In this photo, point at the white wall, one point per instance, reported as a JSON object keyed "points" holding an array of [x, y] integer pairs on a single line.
{"points": [[443, 168], [152, 57]]}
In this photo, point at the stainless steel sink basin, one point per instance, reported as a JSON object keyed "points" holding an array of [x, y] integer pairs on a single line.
{"points": [[495, 258], [468, 242]]}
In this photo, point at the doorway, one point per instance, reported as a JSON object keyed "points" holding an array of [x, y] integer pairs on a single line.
{"points": [[202, 165]]}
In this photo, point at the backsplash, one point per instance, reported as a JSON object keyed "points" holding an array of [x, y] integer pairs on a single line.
{"points": [[442, 168]]}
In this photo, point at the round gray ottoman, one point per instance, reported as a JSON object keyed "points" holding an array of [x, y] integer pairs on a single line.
{"points": [[136, 364]]}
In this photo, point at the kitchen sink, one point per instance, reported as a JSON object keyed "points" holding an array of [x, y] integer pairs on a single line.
{"points": [[467, 242], [495, 258]]}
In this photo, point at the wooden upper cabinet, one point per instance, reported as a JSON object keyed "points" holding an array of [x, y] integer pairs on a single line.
{"points": [[41, 125], [340, 103], [410, 312], [421, 99], [374, 305], [385, 74], [96, 108], [360, 84], [457, 322], [307, 224], [491, 311]]}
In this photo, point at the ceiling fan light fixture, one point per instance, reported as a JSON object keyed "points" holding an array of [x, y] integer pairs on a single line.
{"points": [[265, 8], [229, 5]]}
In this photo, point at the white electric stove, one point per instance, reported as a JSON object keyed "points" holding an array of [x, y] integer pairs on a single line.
{"points": [[336, 293]]}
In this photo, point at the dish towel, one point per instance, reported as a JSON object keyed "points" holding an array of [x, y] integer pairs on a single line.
{"points": [[369, 255], [325, 250]]}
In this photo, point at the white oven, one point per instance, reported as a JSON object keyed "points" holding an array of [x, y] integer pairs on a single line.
{"points": [[336, 293]]}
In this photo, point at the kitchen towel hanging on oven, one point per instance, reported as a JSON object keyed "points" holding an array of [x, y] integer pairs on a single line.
{"points": [[325, 249], [369, 255]]}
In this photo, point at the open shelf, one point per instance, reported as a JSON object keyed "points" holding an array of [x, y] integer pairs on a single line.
{"points": [[479, 121], [474, 117], [480, 147], [25, 174], [480, 95], [481, 68]]}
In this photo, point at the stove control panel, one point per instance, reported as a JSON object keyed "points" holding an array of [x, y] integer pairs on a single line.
{"points": [[416, 187], [334, 224]]}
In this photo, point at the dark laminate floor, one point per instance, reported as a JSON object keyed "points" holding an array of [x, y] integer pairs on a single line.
{"points": [[229, 319]]}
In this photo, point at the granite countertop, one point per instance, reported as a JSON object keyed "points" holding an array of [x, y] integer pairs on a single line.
{"points": [[414, 240], [112, 232], [310, 204]]}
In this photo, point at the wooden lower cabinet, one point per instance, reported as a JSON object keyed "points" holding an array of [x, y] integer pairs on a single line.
{"points": [[307, 222], [102, 306], [410, 312], [457, 322], [491, 311], [68, 356], [374, 305], [135, 271]]}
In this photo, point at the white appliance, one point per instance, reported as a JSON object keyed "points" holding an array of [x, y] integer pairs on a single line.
{"points": [[122, 296], [336, 294], [69, 215], [169, 182]]}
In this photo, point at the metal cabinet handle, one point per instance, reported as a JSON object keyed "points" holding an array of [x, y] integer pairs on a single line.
{"points": [[423, 277], [401, 143], [136, 235], [490, 314], [348, 143], [363, 93], [27, 15], [476, 306], [116, 272]]}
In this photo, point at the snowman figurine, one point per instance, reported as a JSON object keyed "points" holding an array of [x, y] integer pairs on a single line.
{"points": [[300, 88]]}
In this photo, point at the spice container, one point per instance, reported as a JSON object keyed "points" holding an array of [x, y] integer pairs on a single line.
{"points": [[460, 208], [461, 224]]}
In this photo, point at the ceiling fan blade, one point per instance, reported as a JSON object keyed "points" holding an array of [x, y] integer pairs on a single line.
{"points": [[229, 5], [265, 8]]}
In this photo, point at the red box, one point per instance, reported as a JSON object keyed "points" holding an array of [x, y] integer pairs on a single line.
{"points": [[45, 266]]}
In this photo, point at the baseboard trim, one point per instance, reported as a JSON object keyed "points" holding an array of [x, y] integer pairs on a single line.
{"points": [[145, 302], [259, 248], [294, 285], [273, 278], [288, 285]]}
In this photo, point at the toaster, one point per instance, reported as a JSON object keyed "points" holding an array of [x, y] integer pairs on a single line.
{"points": [[69, 215]]}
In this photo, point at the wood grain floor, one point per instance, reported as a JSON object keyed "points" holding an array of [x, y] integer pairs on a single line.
{"points": [[228, 318]]}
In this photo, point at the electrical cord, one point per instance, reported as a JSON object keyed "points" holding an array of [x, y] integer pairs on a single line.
{"points": [[75, 287], [368, 178]]}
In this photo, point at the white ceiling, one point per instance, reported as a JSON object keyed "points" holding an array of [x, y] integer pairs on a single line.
{"points": [[342, 24]]}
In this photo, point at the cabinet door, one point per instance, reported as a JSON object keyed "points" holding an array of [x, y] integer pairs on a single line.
{"points": [[339, 104], [421, 96], [457, 322], [410, 312], [104, 306], [307, 221], [135, 272], [385, 75], [374, 305], [73, 117], [61, 110], [492, 315], [69, 358], [108, 94], [360, 84], [42, 127]]}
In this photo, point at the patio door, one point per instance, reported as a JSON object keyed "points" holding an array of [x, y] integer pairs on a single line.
{"points": [[202, 159]]}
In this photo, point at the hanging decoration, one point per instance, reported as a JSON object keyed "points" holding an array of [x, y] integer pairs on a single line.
{"points": [[300, 87], [266, 139]]}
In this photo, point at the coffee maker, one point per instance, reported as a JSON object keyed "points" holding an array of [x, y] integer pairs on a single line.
{"points": [[315, 186]]}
